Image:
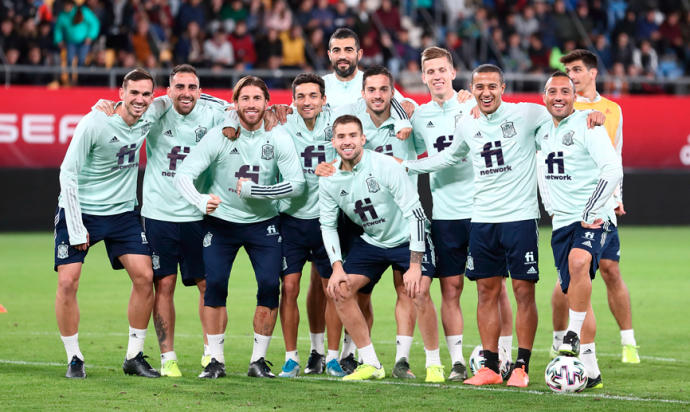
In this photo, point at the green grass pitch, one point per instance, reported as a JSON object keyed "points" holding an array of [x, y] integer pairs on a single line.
{"points": [[32, 359]]}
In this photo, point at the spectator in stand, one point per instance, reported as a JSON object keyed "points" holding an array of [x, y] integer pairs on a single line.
{"points": [[45, 12], [372, 50], [323, 17], [547, 25], [237, 12], [76, 28], [270, 50], [317, 58], [255, 16], [145, 45], [28, 36], [628, 25], [9, 39], [516, 59], [389, 16], [190, 10], [617, 85], [599, 17], [586, 20], [160, 18], [623, 50], [218, 51], [538, 55], [303, 15], [190, 46], [526, 24], [671, 33], [279, 18], [647, 28], [603, 50], [243, 46], [363, 22], [565, 27], [343, 16], [293, 48], [47, 45], [646, 59]]}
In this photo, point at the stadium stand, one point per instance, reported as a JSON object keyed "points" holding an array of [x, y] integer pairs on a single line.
{"points": [[648, 41]]}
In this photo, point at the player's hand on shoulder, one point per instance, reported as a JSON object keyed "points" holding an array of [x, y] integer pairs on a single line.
{"points": [[464, 95], [231, 133], [325, 169], [404, 133], [408, 107], [277, 114], [595, 118], [105, 106], [475, 112], [212, 204]]}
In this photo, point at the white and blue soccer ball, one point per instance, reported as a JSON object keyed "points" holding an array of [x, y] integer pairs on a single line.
{"points": [[477, 359], [565, 374]]}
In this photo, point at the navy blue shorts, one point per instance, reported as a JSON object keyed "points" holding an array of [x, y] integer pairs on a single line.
{"points": [[174, 243], [451, 239], [497, 249], [574, 236], [348, 232], [612, 246], [371, 261], [261, 241], [121, 233], [302, 242]]}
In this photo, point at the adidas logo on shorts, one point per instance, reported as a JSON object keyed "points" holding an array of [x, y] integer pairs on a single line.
{"points": [[532, 271], [587, 243]]}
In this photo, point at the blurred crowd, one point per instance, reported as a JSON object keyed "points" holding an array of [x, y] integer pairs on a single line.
{"points": [[635, 37]]}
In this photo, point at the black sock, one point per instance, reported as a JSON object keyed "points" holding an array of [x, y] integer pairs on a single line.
{"points": [[491, 360], [523, 358]]}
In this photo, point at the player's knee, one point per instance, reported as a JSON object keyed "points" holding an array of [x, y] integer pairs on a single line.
{"points": [[290, 288], [488, 292], [164, 286], [268, 293], [422, 300], [68, 285], [451, 292]]}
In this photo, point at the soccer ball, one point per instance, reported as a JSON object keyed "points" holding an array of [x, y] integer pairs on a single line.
{"points": [[565, 374], [477, 359]]}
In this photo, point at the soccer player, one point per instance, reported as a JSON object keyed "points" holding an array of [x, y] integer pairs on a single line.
{"points": [[173, 227], [581, 66], [98, 179], [381, 119], [377, 195], [580, 174], [243, 213], [451, 189], [504, 231], [310, 129]]}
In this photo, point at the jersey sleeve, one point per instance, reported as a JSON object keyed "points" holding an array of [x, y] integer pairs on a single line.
{"points": [[292, 183], [77, 153], [618, 142], [536, 115], [199, 160], [543, 186], [401, 121], [406, 197], [449, 157], [607, 160], [328, 218]]}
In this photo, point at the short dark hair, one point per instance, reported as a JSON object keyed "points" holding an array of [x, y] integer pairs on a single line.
{"points": [[487, 68], [348, 118], [136, 75], [309, 78], [376, 70], [344, 33], [250, 81], [588, 58], [182, 68], [559, 73]]}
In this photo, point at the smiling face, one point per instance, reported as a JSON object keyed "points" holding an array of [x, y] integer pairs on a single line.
{"points": [[559, 97], [488, 89], [344, 56], [438, 75], [378, 93], [251, 106], [308, 100], [137, 95], [348, 142], [184, 92]]}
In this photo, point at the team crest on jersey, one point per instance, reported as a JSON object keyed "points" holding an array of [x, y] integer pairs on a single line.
{"points": [[267, 152], [328, 133], [568, 138], [207, 239], [62, 251], [458, 117], [145, 128], [372, 185], [508, 130], [391, 131], [200, 132], [156, 261], [144, 241]]}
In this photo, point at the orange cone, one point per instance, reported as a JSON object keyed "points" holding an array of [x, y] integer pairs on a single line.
{"points": [[2, 309]]}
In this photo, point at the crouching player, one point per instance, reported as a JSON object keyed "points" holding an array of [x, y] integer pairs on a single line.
{"points": [[376, 194]]}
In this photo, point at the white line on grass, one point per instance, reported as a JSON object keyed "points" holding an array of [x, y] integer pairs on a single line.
{"points": [[427, 385], [279, 336]]}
